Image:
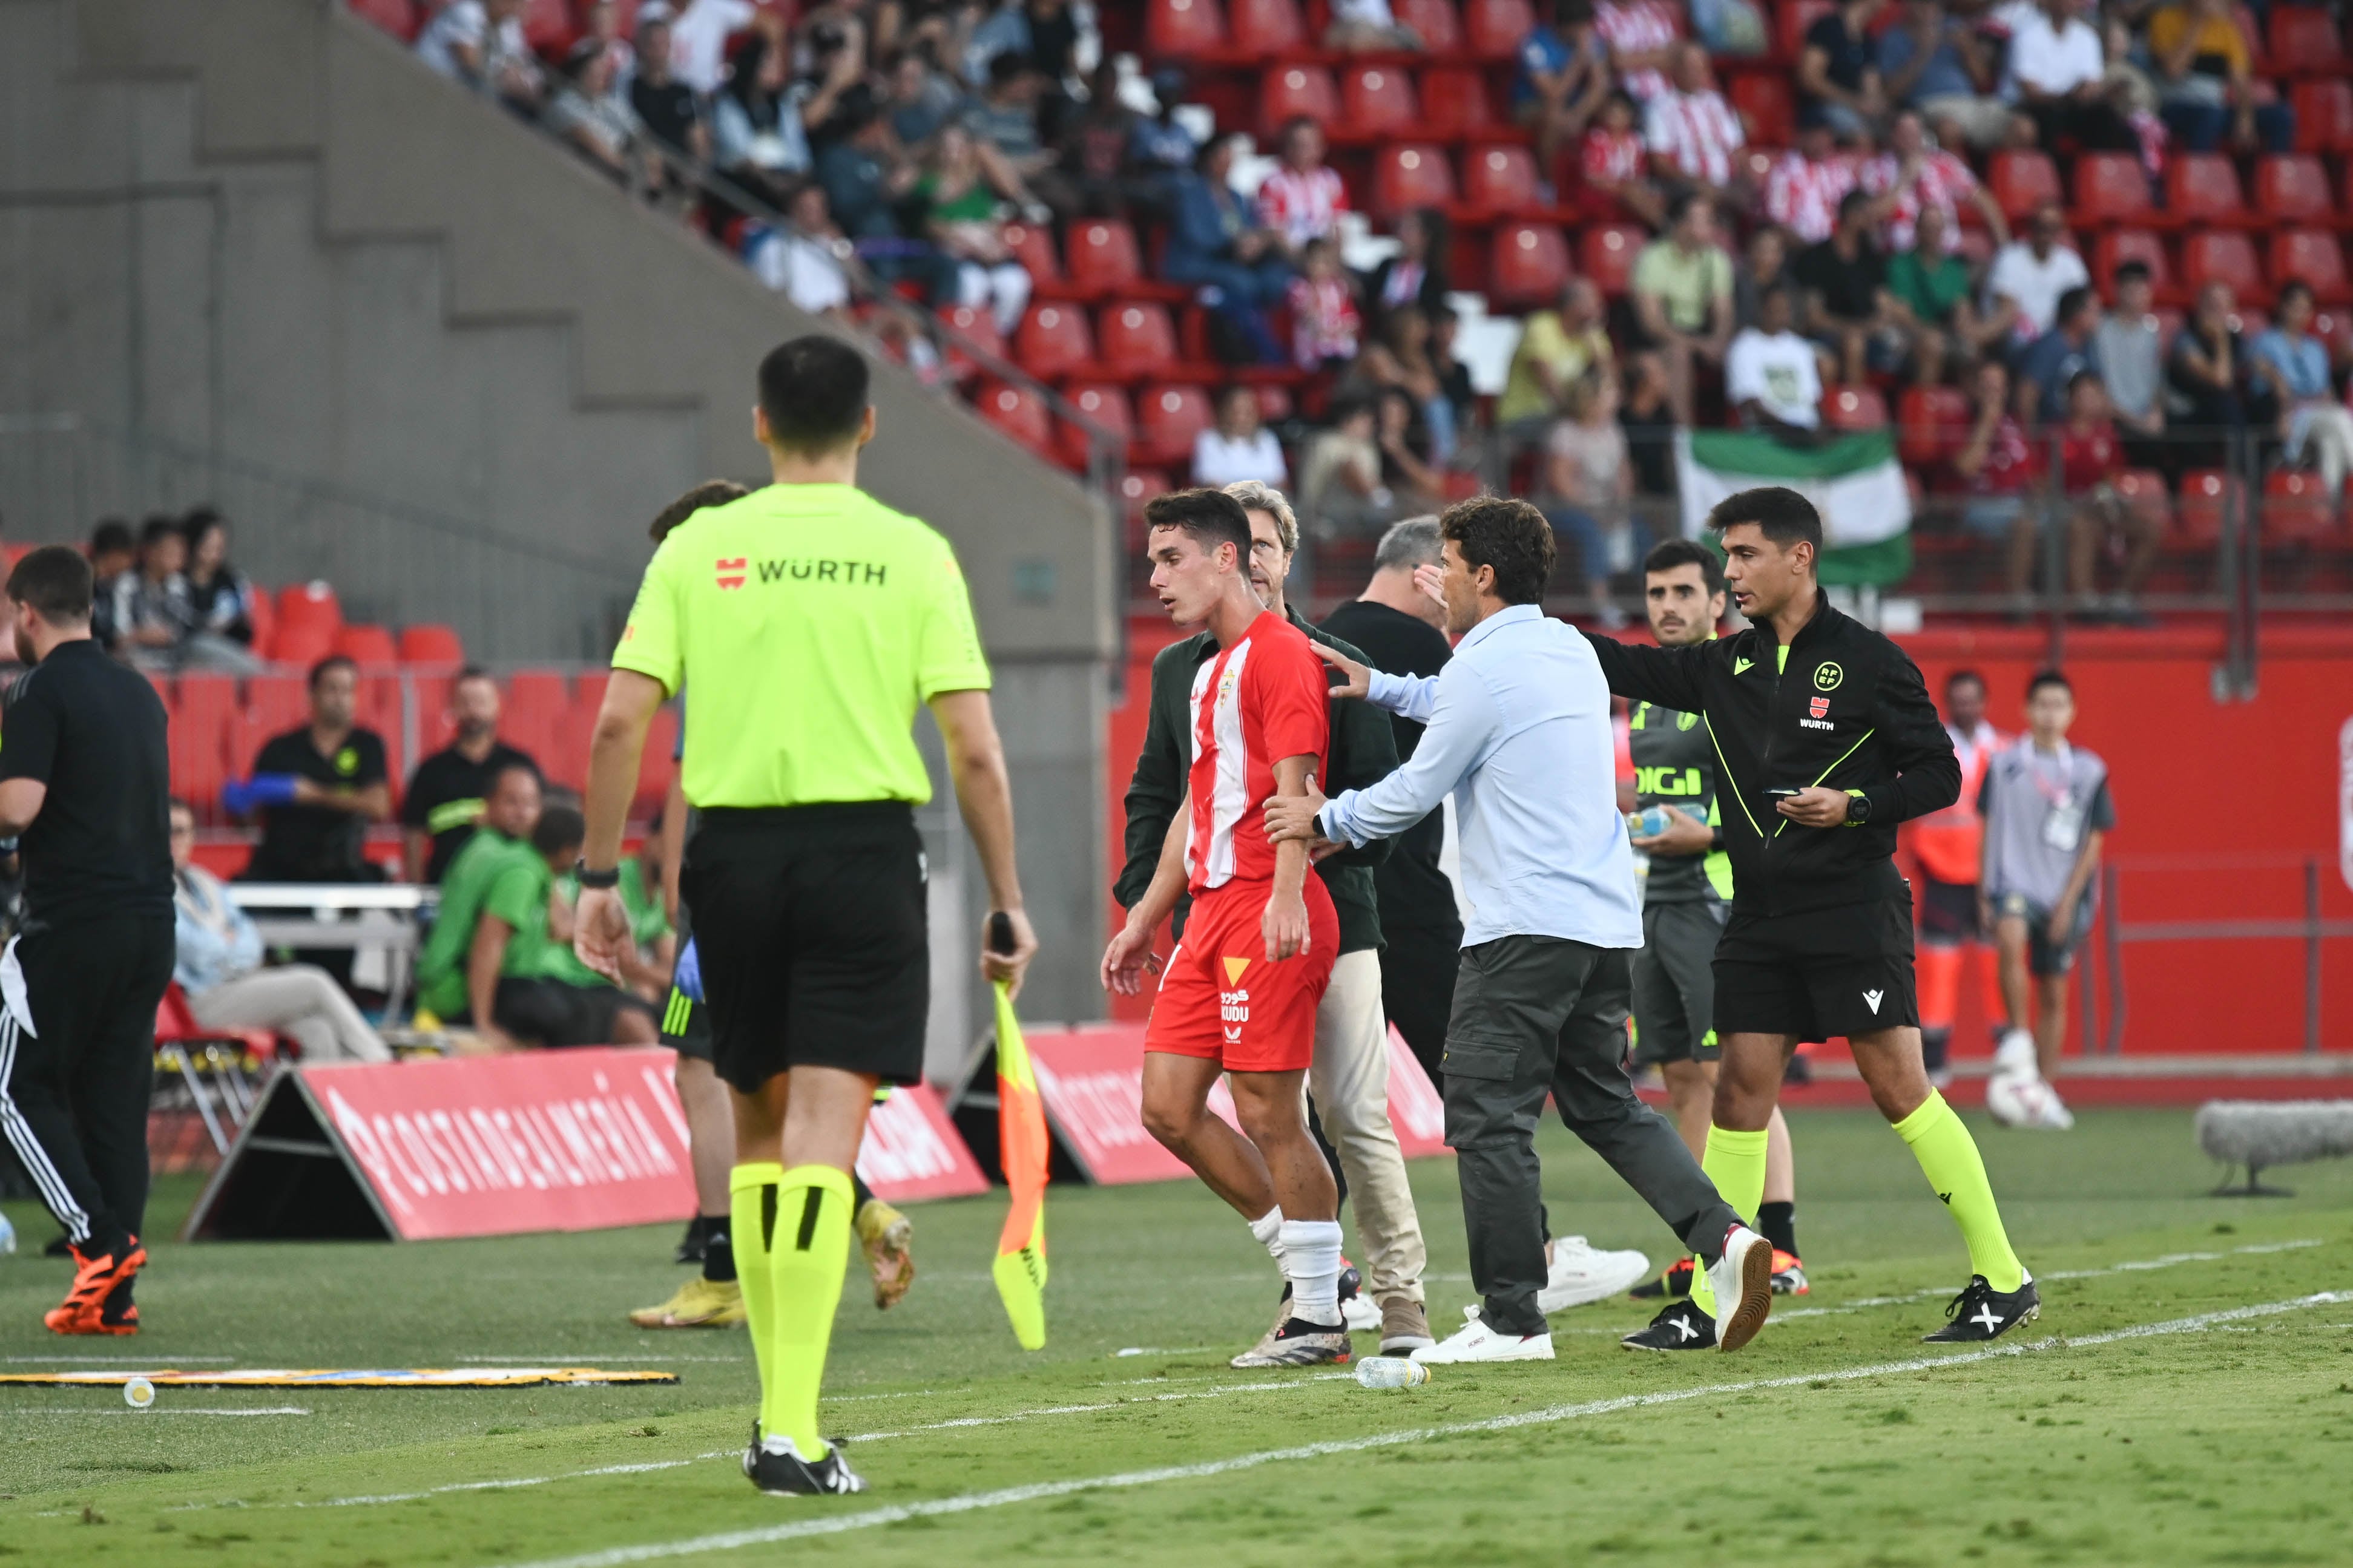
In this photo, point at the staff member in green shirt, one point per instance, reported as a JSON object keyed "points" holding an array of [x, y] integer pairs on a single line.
{"points": [[806, 622]]}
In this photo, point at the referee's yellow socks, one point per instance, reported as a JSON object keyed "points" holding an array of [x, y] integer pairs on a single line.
{"points": [[751, 1216], [1734, 1162], [1948, 1157], [792, 1245]]}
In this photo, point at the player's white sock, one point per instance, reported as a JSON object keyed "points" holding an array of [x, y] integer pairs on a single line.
{"points": [[1267, 1228], [1311, 1258]]}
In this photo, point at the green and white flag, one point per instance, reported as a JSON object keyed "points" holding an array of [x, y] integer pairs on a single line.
{"points": [[1854, 481]]}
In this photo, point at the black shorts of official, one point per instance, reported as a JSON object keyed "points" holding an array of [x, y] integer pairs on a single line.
{"points": [[686, 1025], [1674, 982], [1846, 970], [812, 929], [2045, 959], [1948, 913], [558, 1012]]}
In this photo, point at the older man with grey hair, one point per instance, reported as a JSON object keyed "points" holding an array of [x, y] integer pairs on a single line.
{"points": [[1348, 1081]]}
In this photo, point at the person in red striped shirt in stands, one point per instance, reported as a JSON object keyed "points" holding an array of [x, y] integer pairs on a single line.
{"points": [[1803, 189], [1304, 198], [1691, 132]]}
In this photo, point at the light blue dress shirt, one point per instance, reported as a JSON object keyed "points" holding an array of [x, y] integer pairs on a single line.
{"points": [[1517, 730]]}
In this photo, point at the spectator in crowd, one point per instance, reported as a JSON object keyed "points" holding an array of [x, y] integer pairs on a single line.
{"points": [[601, 25], [1405, 334], [219, 969], [923, 97], [1642, 36], [1588, 485], [1940, 65], [805, 260], [1162, 148], [597, 122], [670, 112], [2206, 375], [960, 218], [1730, 26], [2290, 365], [113, 553], [1772, 377], [2129, 350], [760, 126], [1238, 447], [1838, 69], [1681, 286], [1849, 309], [1323, 320], [1214, 241], [1691, 132], [1092, 154], [161, 618], [1340, 488], [1914, 174], [867, 181], [481, 43], [1454, 375], [2206, 80], [1803, 188], [2057, 78], [1767, 272], [698, 31], [444, 799], [1995, 466], [1414, 485], [2132, 92], [1003, 124], [1564, 75], [1415, 274], [1556, 347], [2049, 366], [2091, 459], [1648, 417], [2028, 276], [1615, 166], [1367, 25], [318, 788], [1303, 198], [1933, 286], [220, 596]]}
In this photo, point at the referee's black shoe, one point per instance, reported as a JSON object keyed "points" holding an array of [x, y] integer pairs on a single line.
{"points": [[1980, 1313], [1681, 1327], [777, 1468]]}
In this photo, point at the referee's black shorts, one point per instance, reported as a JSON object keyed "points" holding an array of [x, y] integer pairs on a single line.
{"points": [[1846, 970], [811, 925], [686, 1025]]}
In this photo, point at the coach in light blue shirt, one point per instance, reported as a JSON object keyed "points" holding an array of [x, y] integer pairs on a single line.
{"points": [[1518, 732]]}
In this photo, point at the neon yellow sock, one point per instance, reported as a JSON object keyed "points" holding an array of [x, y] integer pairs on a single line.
{"points": [[1948, 1157], [751, 1216], [1734, 1162], [807, 1251]]}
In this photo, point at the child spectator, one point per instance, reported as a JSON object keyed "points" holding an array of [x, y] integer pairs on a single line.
{"points": [[1323, 320], [2091, 458], [2129, 351], [1616, 170]]}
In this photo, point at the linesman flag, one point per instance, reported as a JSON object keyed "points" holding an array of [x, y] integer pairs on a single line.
{"points": [[1021, 1266]]}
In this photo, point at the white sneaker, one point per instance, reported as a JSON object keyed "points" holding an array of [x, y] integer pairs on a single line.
{"points": [[1580, 1273], [1476, 1341], [1743, 1281], [1360, 1315], [2027, 1101], [2014, 1057]]}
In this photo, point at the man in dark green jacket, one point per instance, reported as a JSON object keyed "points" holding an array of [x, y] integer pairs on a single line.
{"points": [[1349, 1079]]}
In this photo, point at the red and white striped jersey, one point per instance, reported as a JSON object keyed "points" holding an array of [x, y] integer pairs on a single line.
{"points": [[1261, 700], [1302, 206], [1803, 196], [1940, 180], [1696, 132], [1638, 26]]}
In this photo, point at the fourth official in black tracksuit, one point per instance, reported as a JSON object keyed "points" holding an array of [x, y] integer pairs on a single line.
{"points": [[1820, 938]]}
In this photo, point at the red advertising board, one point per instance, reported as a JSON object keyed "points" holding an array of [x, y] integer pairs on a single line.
{"points": [[913, 1150]]}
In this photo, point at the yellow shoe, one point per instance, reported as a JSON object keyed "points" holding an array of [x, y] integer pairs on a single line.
{"points": [[700, 1304], [888, 1238]]}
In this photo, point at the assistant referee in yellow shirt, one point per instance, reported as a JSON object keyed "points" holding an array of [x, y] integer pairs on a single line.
{"points": [[806, 623]]}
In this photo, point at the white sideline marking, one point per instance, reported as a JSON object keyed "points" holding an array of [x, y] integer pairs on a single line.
{"points": [[617, 1557], [148, 1362], [1289, 1383], [161, 1410]]}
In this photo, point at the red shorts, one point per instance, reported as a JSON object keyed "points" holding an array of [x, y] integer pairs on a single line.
{"points": [[1221, 999]]}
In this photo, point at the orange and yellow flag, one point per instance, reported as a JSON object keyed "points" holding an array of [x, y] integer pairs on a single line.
{"points": [[1021, 1138]]}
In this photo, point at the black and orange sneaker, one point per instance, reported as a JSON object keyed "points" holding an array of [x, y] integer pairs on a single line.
{"points": [[96, 1278], [1789, 1275], [1674, 1284], [119, 1314]]}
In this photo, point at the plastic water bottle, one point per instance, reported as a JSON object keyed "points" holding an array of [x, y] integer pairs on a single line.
{"points": [[1390, 1372], [7, 1236], [1648, 823]]}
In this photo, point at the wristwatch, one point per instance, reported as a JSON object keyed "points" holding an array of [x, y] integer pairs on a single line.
{"points": [[1858, 810], [587, 878]]}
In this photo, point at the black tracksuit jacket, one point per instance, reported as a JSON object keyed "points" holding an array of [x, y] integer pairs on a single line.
{"points": [[1850, 712]]}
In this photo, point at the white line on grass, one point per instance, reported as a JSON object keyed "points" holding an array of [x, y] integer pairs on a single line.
{"points": [[1286, 1384], [147, 1362], [617, 1557], [170, 1410]]}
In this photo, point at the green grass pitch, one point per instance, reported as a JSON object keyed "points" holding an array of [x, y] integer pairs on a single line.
{"points": [[1836, 1439]]}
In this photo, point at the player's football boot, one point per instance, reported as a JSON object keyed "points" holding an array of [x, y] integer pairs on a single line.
{"points": [[699, 1303], [1579, 1273], [1479, 1340], [888, 1240], [119, 1314], [777, 1468], [1743, 1281], [1680, 1326], [1298, 1343], [1980, 1313], [1359, 1313], [96, 1276], [1404, 1327], [1674, 1283], [1789, 1275]]}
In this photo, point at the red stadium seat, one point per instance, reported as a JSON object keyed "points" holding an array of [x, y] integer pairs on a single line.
{"points": [[1102, 404], [2296, 506], [1768, 103], [1020, 413], [431, 644], [276, 703], [1184, 29], [2118, 245], [1285, 92], [2209, 257], [2203, 188], [1053, 340], [1168, 419], [1034, 248], [369, 644], [2323, 116], [309, 605], [205, 708], [2292, 187], [2110, 189], [1266, 27], [1493, 29], [977, 325], [1606, 254], [1136, 340], [397, 17], [2205, 492], [1104, 256], [1854, 408], [1136, 487], [548, 26], [1530, 264], [1409, 176], [302, 644], [1376, 101], [1436, 20], [1454, 104], [1930, 423], [2022, 181], [2305, 42], [1500, 179], [2313, 256], [537, 696], [265, 623], [1795, 16], [2143, 490]]}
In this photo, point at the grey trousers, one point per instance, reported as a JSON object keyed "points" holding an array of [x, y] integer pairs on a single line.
{"points": [[1534, 1013]]}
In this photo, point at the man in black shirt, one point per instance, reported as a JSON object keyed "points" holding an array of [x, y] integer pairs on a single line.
{"points": [[1396, 625], [1848, 307], [85, 784], [318, 788], [446, 791], [1838, 77], [667, 106]]}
